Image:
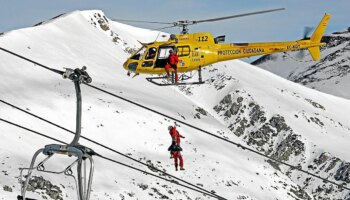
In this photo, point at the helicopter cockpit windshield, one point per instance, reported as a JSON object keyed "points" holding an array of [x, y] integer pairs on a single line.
{"points": [[139, 54]]}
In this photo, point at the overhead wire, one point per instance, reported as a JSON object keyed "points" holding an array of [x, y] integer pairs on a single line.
{"points": [[105, 147], [194, 127], [117, 162]]}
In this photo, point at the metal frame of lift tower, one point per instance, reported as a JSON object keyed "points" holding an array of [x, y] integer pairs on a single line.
{"points": [[82, 153]]}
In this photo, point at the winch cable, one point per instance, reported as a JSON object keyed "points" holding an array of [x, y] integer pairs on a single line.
{"points": [[106, 147], [191, 126], [117, 162]]}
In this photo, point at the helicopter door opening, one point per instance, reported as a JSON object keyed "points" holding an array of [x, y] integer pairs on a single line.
{"points": [[163, 56]]}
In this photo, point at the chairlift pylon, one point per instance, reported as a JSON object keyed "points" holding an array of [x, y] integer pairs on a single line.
{"points": [[82, 153]]}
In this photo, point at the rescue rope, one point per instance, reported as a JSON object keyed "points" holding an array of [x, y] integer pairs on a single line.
{"points": [[117, 162], [196, 128], [104, 146]]}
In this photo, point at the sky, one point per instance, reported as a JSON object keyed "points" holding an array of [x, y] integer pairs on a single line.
{"points": [[277, 26]]}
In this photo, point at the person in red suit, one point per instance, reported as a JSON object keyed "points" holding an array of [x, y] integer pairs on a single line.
{"points": [[173, 60], [175, 149]]}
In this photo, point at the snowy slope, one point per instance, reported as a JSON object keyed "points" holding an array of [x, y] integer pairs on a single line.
{"points": [[329, 75], [245, 104]]}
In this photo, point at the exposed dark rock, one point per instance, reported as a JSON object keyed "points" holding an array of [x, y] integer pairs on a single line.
{"points": [[58, 16], [343, 173], [234, 108], [201, 111], [239, 99], [317, 121], [241, 128], [102, 22], [143, 186], [7, 188], [39, 183], [290, 145], [261, 136], [258, 138], [220, 80], [115, 39], [279, 123], [130, 50], [332, 164], [315, 104], [301, 194], [256, 114], [322, 159], [161, 196], [226, 100]]}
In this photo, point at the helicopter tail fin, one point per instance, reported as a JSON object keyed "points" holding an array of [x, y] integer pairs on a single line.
{"points": [[318, 33], [317, 36]]}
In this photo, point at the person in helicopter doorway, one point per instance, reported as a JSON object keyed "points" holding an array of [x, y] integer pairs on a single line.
{"points": [[151, 53], [175, 147], [173, 59]]}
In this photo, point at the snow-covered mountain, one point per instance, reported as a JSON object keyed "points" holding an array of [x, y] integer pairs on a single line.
{"points": [[240, 102], [330, 75]]}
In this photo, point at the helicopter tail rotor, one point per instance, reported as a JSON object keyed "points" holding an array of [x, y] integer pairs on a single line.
{"points": [[306, 35], [316, 37]]}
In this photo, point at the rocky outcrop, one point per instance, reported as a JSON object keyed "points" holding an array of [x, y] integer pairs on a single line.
{"points": [[291, 145], [219, 81], [7, 188], [44, 187], [200, 112], [247, 119], [274, 137]]}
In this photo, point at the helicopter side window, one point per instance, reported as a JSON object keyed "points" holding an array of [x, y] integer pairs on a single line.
{"points": [[151, 53], [183, 51], [139, 54]]}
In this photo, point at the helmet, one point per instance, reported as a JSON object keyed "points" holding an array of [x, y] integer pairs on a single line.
{"points": [[171, 51], [170, 127]]}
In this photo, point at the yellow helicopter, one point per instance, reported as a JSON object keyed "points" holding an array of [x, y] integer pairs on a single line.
{"points": [[198, 50]]}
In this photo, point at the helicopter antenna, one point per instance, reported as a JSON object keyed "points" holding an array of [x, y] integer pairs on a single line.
{"points": [[183, 24], [157, 36]]}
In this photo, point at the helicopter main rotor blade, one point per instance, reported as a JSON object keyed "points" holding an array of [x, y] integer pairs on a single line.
{"points": [[166, 27], [140, 21], [236, 16]]}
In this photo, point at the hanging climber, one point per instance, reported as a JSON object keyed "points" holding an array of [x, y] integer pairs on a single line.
{"points": [[175, 147], [173, 59]]}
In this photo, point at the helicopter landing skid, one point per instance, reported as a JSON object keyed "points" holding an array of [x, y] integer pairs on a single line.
{"points": [[169, 81]]}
